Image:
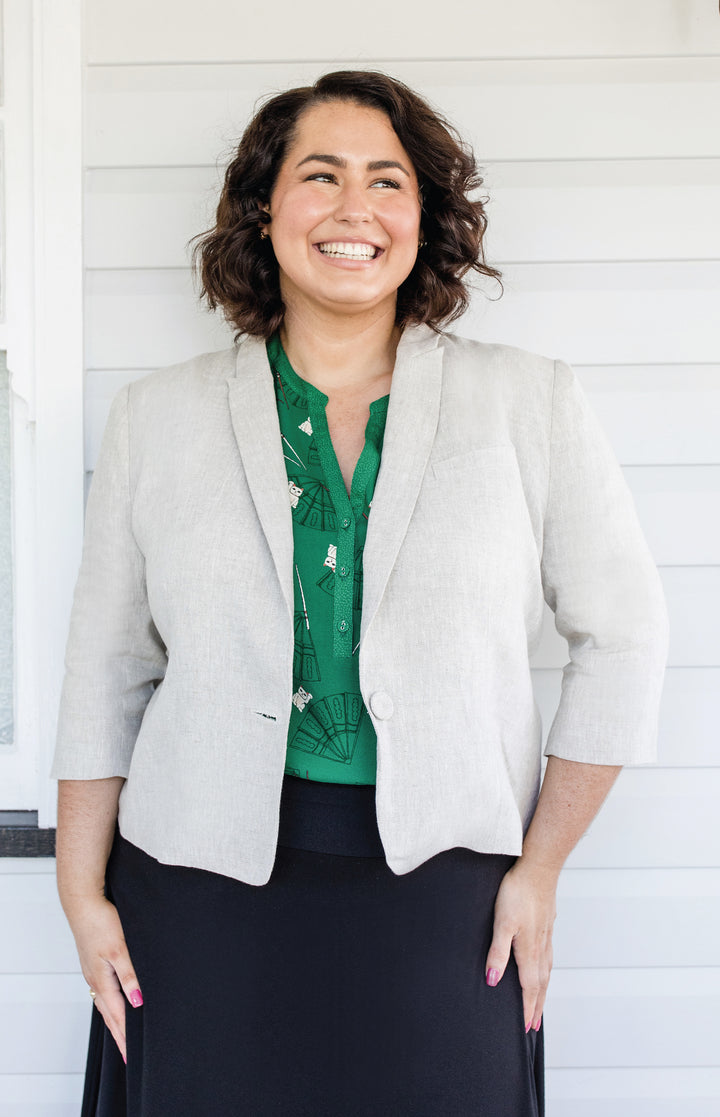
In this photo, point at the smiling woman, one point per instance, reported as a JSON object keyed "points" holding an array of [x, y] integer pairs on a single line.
{"points": [[298, 673], [402, 135]]}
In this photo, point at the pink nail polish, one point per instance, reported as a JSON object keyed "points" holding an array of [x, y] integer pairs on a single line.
{"points": [[124, 1059], [537, 1026], [528, 1027], [136, 998], [492, 977]]}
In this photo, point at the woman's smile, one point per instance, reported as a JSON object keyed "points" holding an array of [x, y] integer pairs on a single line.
{"points": [[349, 250]]}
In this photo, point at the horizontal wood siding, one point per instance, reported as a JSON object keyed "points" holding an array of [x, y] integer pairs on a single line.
{"points": [[223, 31], [44, 1002]]}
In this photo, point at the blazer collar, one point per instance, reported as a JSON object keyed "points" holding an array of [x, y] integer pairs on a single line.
{"points": [[410, 428]]}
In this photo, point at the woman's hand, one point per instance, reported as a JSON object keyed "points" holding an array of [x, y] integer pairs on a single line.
{"points": [[105, 962], [570, 797], [524, 915], [87, 815]]}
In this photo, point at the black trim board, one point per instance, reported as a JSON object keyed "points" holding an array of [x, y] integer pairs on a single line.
{"points": [[21, 837]]}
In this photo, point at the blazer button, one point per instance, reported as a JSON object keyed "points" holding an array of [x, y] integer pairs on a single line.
{"points": [[381, 705]]}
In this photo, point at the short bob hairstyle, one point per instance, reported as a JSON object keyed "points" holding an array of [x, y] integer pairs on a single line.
{"points": [[237, 267]]}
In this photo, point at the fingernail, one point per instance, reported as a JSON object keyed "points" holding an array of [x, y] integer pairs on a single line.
{"points": [[492, 977], [136, 998], [528, 1027], [124, 1059], [537, 1026]]}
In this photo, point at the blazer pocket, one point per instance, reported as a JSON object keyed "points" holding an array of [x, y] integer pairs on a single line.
{"points": [[489, 469]]}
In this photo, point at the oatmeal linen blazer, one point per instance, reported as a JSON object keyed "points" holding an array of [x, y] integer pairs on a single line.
{"points": [[497, 491]]}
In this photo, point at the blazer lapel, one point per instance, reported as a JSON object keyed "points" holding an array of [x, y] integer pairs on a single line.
{"points": [[410, 428], [409, 434], [254, 417]]}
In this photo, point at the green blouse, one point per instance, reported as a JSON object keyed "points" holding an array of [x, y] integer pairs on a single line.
{"points": [[331, 737]]}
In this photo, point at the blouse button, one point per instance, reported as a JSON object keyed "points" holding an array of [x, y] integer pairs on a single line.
{"points": [[343, 571], [346, 522], [343, 626], [382, 705]]}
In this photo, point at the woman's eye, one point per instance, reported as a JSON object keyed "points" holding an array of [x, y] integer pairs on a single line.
{"points": [[328, 176]]}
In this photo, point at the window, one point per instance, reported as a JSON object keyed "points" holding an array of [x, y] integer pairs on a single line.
{"points": [[41, 437]]}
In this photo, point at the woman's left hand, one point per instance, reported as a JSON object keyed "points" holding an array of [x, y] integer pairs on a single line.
{"points": [[524, 915]]}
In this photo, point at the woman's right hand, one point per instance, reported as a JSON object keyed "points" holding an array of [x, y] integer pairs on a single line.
{"points": [[87, 816], [105, 962]]}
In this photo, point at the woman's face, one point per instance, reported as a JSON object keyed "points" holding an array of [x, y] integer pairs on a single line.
{"points": [[345, 212]]}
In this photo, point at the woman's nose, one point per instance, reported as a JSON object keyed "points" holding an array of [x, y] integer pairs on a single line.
{"points": [[353, 204]]}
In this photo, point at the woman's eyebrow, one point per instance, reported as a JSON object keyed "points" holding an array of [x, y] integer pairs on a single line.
{"points": [[336, 161]]}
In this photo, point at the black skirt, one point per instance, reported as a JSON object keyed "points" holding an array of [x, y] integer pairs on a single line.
{"points": [[337, 989]]}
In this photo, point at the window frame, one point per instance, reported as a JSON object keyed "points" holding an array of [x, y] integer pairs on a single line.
{"points": [[41, 329]]}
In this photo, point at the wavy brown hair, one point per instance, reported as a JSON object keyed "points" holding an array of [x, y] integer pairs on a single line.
{"points": [[237, 268]]}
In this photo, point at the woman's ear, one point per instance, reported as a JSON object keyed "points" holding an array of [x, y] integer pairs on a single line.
{"points": [[263, 225]]}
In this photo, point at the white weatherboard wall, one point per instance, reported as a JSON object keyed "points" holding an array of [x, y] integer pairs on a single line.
{"points": [[597, 125]]}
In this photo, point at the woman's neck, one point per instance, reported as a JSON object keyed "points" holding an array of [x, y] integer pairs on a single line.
{"points": [[346, 355]]}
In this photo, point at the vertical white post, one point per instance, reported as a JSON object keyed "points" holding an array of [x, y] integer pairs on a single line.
{"points": [[19, 764], [58, 291]]}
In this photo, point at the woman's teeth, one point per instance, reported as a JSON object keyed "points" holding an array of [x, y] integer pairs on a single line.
{"points": [[349, 250]]}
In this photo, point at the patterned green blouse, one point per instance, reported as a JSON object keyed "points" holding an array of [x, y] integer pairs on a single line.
{"points": [[331, 737]]}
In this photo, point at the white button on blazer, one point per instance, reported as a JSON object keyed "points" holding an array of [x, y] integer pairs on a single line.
{"points": [[497, 491]]}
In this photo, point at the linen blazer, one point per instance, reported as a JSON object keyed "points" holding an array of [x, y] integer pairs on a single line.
{"points": [[497, 491]]}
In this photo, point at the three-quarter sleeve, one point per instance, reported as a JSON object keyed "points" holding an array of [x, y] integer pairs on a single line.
{"points": [[600, 580], [115, 657]]}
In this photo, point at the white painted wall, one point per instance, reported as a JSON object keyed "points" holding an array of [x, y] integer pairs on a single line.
{"points": [[597, 124]]}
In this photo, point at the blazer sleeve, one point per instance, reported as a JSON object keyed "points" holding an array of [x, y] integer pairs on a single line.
{"points": [[114, 657], [600, 580]]}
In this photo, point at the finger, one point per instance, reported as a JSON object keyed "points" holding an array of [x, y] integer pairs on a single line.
{"points": [[112, 1009], [121, 964], [538, 1009], [116, 984], [546, 969], [528, 964], [498, 954]]}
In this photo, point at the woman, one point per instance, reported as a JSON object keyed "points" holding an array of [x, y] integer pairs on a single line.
{"points": [[297, 672]]}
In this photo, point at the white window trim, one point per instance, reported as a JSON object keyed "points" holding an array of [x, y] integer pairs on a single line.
{"points": [[42, 333]]}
